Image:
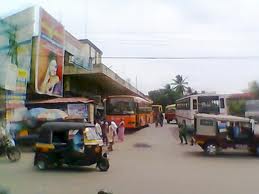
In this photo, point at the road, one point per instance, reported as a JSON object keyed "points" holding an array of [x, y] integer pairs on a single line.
{"points": [[150, 161]]}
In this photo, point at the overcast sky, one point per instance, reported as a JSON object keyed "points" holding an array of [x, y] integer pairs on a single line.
{"points": [[166, 28]]}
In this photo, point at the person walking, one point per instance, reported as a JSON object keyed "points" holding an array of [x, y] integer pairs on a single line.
{"points": [[161, 119], [183, 133], [156, 118], [111, 137], [105, 127], [98, 128], [121, 130]]}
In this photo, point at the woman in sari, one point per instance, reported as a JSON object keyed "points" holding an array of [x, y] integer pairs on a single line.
{"points": [[121, 131]]}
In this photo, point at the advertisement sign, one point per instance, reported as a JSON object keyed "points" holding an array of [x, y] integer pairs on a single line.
{"points": [[77, 110], [50, 56]]}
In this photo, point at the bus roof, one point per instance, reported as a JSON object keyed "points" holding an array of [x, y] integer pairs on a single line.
{"points": [[136, 98], [207, 94], [171, 106]]}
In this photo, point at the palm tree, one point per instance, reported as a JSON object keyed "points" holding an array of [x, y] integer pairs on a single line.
{"points": [[179, 84]]}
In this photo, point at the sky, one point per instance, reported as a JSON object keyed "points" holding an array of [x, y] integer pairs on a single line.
{"points": [[166, 29]]}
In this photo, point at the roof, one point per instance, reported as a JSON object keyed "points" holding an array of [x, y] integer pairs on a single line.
{"points": [[86, 41], [63, 126], [63, 100], [136, 98], [223, 117], [171, 106], [206, 94]]}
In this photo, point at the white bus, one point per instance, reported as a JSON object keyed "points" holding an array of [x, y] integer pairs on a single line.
{"points": [[187, 106]]}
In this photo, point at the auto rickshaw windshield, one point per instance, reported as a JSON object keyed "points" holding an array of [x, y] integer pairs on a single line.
{"points": [[91, 134]]}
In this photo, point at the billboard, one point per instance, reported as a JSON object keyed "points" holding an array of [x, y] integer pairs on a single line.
{"points": [[77, 110], [49, 56]]}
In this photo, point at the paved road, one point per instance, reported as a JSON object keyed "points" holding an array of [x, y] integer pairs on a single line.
{"points": [[161, 166]]}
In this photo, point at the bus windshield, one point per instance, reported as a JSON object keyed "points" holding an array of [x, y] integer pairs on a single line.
{"points": [[208, 104], [120, 106]]}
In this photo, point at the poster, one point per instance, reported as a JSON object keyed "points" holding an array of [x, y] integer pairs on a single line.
{"points": [[50, 56], [77, 110]]}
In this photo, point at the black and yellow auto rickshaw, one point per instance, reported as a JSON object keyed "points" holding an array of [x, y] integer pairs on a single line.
{"points": [[69, 143]]}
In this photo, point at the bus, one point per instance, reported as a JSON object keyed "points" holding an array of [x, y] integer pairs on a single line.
{"points": [[170, 113], [135, 111], [187, 106]]}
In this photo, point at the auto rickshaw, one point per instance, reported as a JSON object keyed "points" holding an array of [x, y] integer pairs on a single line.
{"points": [[216, 132], [69, 143]]}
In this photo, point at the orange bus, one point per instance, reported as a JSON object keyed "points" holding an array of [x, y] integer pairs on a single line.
{"points": [[135, 111]]}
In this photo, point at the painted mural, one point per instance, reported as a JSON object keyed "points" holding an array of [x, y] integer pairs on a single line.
{"points": [[16, 33], [50, 56]]}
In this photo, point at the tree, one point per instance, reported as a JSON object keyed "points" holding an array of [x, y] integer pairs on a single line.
{"points": [[164, 96], [179, 84]]}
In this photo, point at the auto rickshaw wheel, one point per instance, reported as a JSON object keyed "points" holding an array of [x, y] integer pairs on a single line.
{"points": [[211, 149], [103, 164], [41, 164]]}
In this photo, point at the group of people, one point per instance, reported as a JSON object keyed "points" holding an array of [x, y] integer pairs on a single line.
{"points": [[110, 132]]}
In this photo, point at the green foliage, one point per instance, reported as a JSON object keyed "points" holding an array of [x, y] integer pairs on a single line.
{"points": [[237, 107], [180, 84], [164, 96]]}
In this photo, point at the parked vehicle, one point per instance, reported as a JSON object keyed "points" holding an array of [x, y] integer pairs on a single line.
{"points": [[70, 143], [217, 132], [8, 148], [170, 113], [188, 106]]}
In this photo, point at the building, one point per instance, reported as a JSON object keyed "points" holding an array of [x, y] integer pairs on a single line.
{"points": [[40, 60]]}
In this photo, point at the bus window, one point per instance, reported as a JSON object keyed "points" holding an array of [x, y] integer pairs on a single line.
{"points": [[222, 103], [120, 106], [194, 102], [208, 104]]}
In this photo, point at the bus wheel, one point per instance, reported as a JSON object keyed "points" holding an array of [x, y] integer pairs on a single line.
{"points": [[210, 149], [168, 121]]}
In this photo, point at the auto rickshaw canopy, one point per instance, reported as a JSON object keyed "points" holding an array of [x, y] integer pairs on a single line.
{"points": [[229, 118]]}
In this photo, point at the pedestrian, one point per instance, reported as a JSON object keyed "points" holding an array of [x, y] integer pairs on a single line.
{"points": [[183, 133], [161, 119], [98, 127], [121, 130], [104, 126], [114, 128], [156, 118], [111, 137]]}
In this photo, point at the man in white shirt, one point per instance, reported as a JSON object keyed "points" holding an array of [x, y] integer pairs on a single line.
{"points": [[114, 127]]}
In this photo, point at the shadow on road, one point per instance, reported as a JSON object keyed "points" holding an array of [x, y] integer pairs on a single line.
{"points": [[70, 169], [225, 155]]}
